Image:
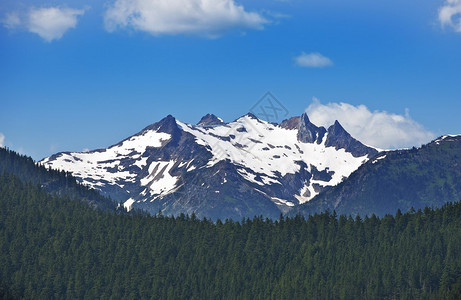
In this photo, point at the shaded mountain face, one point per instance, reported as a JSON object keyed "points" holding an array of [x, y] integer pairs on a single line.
{"points": [[401, 179], [221, 170]]}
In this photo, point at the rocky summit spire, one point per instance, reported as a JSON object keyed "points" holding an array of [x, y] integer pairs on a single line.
{"points": [[308, 132], [339, 138]]}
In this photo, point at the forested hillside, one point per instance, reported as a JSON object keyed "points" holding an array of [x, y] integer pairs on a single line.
{"points": [[400, 179], [56, 248], [53, 181]]}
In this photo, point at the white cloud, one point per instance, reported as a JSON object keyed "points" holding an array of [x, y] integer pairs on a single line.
{"points": [[49, 23], [313, 60], [209, 18], [2, 139], [450, 14], [378, 128]]}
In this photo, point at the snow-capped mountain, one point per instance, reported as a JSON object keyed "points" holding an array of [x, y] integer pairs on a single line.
{"points": [[219, 170]]}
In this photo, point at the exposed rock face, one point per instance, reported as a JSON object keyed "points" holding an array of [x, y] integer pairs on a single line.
{"points": [[308, 132], [337, 136], [291, 123]]}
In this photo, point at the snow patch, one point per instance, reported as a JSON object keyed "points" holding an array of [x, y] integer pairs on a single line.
{"points": [[437, 141], [159, 180], [279, 201], [378, 158], [128, 204]]}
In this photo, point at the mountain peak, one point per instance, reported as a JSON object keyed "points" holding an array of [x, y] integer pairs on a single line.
{"points": [[209, 120], [337, 129], [167, 125], [308, 132], [339, 138], [248, 115], [251, 115]]}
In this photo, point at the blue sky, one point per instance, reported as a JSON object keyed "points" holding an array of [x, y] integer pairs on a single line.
{"points": [[80, 75]]}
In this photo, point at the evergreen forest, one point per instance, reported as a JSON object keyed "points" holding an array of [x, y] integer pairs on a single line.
{"points": [[54, 247]]}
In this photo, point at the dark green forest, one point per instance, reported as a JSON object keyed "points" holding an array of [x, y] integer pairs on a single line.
{"points": [[56, 248], [56, 182]]}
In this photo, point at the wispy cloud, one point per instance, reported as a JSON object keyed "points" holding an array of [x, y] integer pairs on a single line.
{"points": [[450, 14], [11, 21], [2, 139], [313, 60], [210, 18], [50, 23], [375, 128]]}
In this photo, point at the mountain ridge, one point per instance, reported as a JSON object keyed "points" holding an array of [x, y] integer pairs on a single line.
{"points": [[274, 166], [400, 179]]}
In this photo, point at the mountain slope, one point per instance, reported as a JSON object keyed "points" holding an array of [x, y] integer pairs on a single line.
{"points": [[54, 182], [427, 176], [219, 170]]}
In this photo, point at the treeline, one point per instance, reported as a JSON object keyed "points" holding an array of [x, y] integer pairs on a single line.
{"points": [[54, 248], [56, 182]]}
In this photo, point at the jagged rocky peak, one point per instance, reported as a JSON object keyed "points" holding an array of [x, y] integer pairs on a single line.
{"points": [[338, 130], [210, 120], [308, 132], [167, 125], [339, 138]]}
